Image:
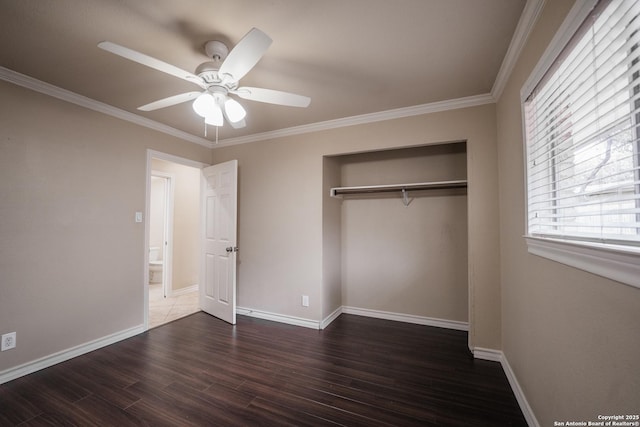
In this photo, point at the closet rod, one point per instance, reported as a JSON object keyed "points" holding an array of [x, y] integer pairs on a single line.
{"points": [[339, 191]]}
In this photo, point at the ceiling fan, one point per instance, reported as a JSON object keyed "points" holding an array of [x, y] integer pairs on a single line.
{"points": [[218, 79]]}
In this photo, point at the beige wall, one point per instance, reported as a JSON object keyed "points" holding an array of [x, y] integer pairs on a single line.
{"points": [[409, 260], [72, 257], [571, 338], [186, 222], [281, 194], [279, 226]]}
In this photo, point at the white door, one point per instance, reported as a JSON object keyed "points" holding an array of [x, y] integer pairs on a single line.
{"points": [[219, 246]]}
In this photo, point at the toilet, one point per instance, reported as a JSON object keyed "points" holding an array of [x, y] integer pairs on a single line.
{"points": [[155, 265]]}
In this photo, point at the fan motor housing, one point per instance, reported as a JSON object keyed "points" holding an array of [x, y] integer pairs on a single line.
{"points": [[216, 50], [209, 71]]}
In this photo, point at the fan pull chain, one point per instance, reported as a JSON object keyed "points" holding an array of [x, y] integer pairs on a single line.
{"points": [[205, 132]]}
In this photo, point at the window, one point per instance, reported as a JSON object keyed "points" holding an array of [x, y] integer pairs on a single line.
{"points": [[582, 135]]}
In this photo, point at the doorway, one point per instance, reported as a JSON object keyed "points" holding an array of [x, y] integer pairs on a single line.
{"points": [[172, 238]]}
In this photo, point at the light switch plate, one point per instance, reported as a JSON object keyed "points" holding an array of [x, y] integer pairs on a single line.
{"points": [[138, 216]]}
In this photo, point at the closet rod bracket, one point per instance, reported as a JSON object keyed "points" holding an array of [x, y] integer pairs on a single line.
{"points": [[405, 198]]}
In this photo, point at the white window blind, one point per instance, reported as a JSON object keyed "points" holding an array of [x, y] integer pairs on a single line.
{"points": [[582, 132]]}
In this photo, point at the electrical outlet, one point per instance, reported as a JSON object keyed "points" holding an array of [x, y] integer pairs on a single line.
{"points": [[8, 341], [305, 300]]}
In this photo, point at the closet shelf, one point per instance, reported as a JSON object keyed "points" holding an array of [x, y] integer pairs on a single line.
{"points": [[415, 186]]}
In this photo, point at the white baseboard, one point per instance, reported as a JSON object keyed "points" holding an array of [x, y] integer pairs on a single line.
{"points": [[532, 421], [275, 317], [498, 356], [330, 318], [64, 355], [182, 291], [407, 318], [488, 354], [313, 324]]}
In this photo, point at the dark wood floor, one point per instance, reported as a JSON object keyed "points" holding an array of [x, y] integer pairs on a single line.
{"points": [[202, 371]]}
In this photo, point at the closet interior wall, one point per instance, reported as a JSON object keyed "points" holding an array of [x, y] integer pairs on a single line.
{"points": [[394, 258]]}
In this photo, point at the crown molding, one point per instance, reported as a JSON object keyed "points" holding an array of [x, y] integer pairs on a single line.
{"points": [[525, 25], [417, 110], [83, 101], [72, 97]]}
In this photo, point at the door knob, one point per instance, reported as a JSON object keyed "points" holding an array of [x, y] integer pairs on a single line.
{"points": [[232, 249]]}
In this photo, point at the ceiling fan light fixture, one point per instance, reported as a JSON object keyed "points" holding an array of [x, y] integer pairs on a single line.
{"points": [[235, 111], [204, 105], [214, 117]]}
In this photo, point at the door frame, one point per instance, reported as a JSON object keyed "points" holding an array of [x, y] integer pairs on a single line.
{"points": [[153, 154], [167, 230]]}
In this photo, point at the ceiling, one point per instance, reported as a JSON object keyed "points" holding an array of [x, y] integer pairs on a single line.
{"points": [[351, 57]]}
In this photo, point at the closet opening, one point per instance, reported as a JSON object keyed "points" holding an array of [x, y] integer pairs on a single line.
{"points": [[395, 235]]}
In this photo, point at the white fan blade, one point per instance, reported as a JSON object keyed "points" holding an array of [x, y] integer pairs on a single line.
{"points": [[172, 100], [245, 54], [147, 60], [272, 96]]}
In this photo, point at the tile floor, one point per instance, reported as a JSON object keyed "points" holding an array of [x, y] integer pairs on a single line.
{"points": [[164, 310]]}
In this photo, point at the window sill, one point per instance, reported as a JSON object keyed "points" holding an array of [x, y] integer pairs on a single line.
{"points": [[617, 263]]}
